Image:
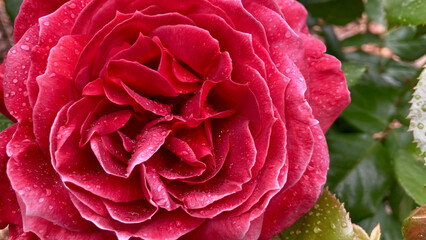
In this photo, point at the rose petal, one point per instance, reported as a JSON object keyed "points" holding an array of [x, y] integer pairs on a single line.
{"points": [[10, 213], [163, 225], [16, 74], [55, 86], [289, 205], [37, 8], [108, 162], [79, 166], [17, 233], [140, 78], [150, 141], [46, 196]]}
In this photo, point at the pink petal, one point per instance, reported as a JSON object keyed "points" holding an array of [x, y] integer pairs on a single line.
{"points": [[289, 205], [140, 78], [16, 74], [10, 213], [108, 162], [56, 86], [38, 185], [150, 141], [37, 8], [327, 88], [163, 225], [51, 28], [78, 165], [196, 47], [17, 233]]}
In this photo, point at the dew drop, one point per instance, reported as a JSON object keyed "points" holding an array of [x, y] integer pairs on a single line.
{"points": [[417, 97], [46, 23], [344, 225], [25, 47], [287, 34], [41, 200], [317, 230], [13, 51], [420, 126], [72, 6]]}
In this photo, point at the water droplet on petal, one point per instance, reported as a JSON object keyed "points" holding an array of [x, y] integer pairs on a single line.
{"points": [[25, 47]]}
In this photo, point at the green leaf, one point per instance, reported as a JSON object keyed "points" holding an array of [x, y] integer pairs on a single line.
{"points": [[353, 72], [376, 233], [4, 122], [384, 72], [326, 220], [375, 11], [390, 227], [406, 11], [12, 8], [331, 42], [360, 39], [411, 175], [371, 108], [397, 139], [335, 11], [360, 172], [379, 96], [360, 232], [414, 227], [406, 43], [400, 203]]}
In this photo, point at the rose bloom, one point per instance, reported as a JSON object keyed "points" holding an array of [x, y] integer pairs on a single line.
{"points": [[164, 119]]}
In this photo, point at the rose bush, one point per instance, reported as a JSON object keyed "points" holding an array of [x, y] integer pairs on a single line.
{"points": [[159, 119]]}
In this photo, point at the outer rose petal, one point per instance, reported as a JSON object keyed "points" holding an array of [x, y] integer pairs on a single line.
{"points": [[17, 233], [3, 108], [327, 92], [30, 12], [288, 206], [9, 211]]}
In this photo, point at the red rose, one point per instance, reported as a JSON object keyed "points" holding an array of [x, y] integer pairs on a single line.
{"points": [[160, 119]]}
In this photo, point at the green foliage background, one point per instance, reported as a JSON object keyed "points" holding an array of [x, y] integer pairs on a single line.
{"points": [[374, 167]]}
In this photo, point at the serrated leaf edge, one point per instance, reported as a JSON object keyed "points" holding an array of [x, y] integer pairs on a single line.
{"points": [[417, 114]]}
